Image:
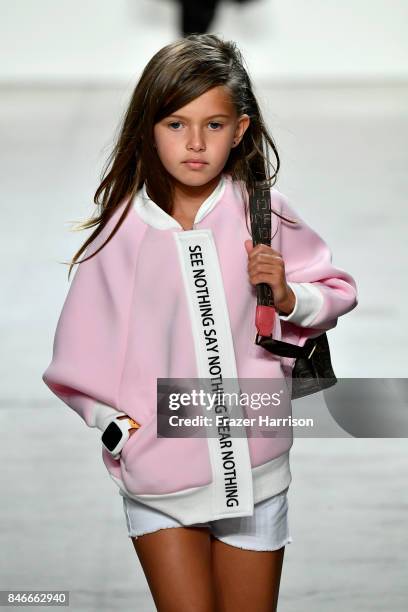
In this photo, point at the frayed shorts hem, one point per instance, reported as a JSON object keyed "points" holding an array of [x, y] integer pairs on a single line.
{"points": [[260, 548], [266, 530]]}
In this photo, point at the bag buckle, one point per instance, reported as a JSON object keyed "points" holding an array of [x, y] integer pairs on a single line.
{"points": [[258, 335], [312, 351]]}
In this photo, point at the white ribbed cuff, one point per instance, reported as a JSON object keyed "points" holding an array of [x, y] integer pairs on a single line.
{"points": [[103, 415], [309, 301]]}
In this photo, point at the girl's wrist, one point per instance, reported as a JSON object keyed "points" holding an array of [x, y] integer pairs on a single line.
{"points": [[287, 305]]}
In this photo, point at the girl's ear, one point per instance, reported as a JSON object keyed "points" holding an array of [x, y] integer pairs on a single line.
{"points": [[243, 123]]}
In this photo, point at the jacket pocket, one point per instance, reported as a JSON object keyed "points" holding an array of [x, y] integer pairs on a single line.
{"points": [[134, 438]]}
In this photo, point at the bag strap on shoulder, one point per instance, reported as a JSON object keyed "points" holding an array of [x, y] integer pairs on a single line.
{"points": [[261, 216]]}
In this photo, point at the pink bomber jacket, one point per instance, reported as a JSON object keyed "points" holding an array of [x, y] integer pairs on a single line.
{"points": [[132, 314]]}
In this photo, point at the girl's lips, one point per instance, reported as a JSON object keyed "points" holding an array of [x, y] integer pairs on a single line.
{"points": [[195, 165]]}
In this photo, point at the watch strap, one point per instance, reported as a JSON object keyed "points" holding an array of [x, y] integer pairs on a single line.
{"points": [[124, 425]]}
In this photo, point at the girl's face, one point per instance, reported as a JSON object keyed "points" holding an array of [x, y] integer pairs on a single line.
{"points": [[203, 130]]}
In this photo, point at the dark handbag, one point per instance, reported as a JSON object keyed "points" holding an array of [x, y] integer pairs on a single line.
{"points": [[312, 370]]}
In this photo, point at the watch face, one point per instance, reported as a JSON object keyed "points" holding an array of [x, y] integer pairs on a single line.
{"points": [[111, 436]]}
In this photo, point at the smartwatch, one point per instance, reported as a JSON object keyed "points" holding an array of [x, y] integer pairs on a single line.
{"points": [[116, 435]]}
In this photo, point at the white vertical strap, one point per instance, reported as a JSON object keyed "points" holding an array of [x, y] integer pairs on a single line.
{"points": [[229, 454]]}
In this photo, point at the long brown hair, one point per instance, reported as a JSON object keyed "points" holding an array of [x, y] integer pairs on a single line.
{"points": [[177, 74]]}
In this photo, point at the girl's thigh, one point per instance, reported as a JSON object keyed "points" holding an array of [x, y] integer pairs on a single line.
{"points": [[246, 579], [247, 556], [177, 564]]}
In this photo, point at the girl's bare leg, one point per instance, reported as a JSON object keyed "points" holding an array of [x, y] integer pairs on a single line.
{"points": [[246, 579], [177, 565]]}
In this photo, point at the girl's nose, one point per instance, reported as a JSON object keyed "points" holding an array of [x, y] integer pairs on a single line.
{"points": [[196, 142]]}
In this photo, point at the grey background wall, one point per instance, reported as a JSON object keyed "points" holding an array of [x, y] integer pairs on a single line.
{"points": [[99, 39]]}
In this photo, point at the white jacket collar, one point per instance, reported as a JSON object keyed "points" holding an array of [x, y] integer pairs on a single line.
{"points": [[153, 215]]}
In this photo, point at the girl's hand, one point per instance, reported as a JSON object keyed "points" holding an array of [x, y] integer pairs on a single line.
{"points": [[265, 265], [131, 430]]}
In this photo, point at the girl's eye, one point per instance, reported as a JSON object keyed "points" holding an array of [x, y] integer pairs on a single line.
{"points": [[179, 123]]}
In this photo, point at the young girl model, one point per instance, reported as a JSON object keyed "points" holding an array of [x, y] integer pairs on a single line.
{"points": [[168, 290]]}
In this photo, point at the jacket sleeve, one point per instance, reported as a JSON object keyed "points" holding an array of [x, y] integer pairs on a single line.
{"points": [[308, 301], [323, 291], [91, 334]]}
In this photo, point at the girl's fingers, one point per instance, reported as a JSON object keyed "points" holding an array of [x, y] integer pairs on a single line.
{"points": [[261, 250], [273, 263], [135, 424], [263, 255], [262, 279], [270, 260], [266, 269]]}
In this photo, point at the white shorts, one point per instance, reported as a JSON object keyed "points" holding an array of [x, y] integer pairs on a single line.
{"points": [[266, 529]]}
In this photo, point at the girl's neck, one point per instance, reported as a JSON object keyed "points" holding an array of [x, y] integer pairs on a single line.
{"points": [[187, 199]]}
